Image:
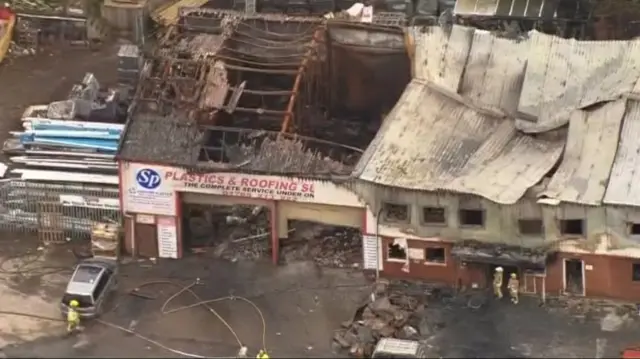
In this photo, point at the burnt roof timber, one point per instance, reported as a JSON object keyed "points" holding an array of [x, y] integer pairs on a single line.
{"points": [[263, 71]]}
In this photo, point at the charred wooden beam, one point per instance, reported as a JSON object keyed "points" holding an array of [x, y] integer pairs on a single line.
{"points": [[217, 87], [259, 63], [263, 71], [271, 56], [235, 97], [261, 111], [296, 85], [265, 92]]}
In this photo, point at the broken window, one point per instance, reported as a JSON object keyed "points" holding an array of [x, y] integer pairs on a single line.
{"points": [[635, 272], [530, 226], [435, 255], [472, 217], [433, 215], [397, 250], [572, 227], [634, 229], [395, 212]]}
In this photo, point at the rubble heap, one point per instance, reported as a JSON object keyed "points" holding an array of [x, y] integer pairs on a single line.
{"points": [[328, 246], [248, 231], [390, 315]]}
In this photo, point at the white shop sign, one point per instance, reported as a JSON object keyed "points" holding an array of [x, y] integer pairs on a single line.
{"points": [[167, 237], [146, 191], [152, 189], [370, 251], [69, 200]]}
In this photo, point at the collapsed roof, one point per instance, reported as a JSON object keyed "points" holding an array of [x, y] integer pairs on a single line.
{"points": [[223, 86], [487, 116]]}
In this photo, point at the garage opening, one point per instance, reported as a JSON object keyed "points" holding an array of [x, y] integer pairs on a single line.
{"points": [[507, 270], [227, 231], [574, 276], [326, 245]]}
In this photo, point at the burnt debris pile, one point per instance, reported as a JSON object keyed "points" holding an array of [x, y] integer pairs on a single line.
{"points": [[327, 246], [391, 315]]}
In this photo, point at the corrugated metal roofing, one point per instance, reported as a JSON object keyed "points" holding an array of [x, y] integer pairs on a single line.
{"points": [[624, 181], [589, 154], [441, 57], [566, 74], [431, 142], [494, 71], [169, 14], [483, 68]]}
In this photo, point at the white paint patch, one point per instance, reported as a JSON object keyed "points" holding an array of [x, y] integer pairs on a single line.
{"points": [[604, 248]]}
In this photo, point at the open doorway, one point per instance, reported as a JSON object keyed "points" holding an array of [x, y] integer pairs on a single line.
{"points": [[507, 270], [231, 232], [574, 276]]}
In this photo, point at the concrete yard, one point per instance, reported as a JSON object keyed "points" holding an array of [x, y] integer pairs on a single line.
{"points": [[32, 279], [303, 305]]}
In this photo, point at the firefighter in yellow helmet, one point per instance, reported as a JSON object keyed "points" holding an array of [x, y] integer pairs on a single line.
{"points": [[497, 282], [73, 318], [262, 355], [514, 286]]}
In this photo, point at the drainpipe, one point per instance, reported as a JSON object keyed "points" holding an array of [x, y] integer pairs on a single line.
{"points": [[378, 240]]}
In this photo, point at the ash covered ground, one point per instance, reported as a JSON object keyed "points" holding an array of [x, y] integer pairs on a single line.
{"points": [[305, 304]]}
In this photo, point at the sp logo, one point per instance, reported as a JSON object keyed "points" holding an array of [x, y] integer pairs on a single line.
{"points": [[148, 178]]}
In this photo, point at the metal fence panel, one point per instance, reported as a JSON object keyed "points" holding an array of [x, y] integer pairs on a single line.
{"points": [[56, 211]]}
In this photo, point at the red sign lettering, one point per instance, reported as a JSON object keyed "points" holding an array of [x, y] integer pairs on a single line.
{"points": [[244, 185]]}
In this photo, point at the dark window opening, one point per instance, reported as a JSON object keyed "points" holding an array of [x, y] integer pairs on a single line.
{"points": [[530, 226], [472, 217], [635, 272], [100, 286], [433, 215], [572, 227], [395, 212], [435, 255], [634, 229], [396, 252], [574, 276]]}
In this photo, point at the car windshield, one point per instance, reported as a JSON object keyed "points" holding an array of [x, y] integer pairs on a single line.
{"points": [[86, 274]]}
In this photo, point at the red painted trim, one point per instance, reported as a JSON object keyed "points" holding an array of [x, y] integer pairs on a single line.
{"points": [[275, 236], [178, 221]]}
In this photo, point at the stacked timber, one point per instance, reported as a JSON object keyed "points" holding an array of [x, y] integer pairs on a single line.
{"points": [[105, 240], [61, 175], [74, 140]]}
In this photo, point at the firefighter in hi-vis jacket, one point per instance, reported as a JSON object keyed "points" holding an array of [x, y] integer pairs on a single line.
{"points": [[497, 282], [513, 285]]}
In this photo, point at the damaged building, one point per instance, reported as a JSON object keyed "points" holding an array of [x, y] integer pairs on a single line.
{"points": [[520, 154], [240, 112]]}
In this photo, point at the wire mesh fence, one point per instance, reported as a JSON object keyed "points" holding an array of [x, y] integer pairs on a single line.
{"points": [[56, 212]]}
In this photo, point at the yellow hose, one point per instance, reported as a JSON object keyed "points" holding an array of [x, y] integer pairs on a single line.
{"points": [[164, 311], [205, 303]]}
